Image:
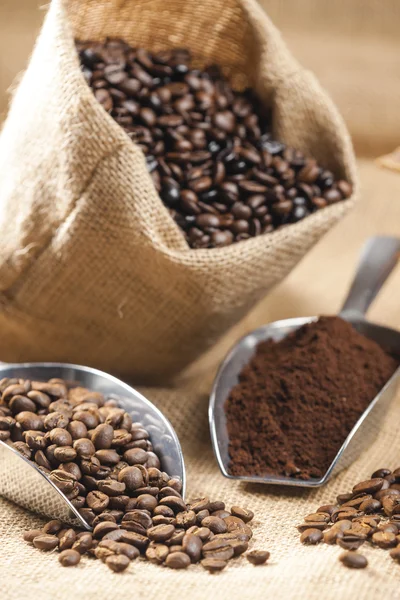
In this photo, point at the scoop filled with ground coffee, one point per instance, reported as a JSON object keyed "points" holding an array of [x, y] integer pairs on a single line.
{"points": [[298, 399]]}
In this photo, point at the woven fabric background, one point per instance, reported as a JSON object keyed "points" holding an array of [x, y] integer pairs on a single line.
{"points": [[92, 268]]}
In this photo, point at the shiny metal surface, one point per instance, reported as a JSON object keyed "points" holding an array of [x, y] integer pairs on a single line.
{"points": [[379, 257], [20, 479]]}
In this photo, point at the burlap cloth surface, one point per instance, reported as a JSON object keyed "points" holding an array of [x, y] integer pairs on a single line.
{"points": [[317, 285]]}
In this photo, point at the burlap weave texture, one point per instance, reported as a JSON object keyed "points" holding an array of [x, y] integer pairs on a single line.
{"points": [[92, 268]]}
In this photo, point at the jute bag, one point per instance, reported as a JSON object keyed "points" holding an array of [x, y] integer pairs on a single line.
{"points": [[92, 268]]}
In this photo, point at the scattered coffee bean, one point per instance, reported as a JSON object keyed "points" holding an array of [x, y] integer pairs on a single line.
{"points": [[45, 542], [243, 513], [30, 535], [367, 515], [69, 558], [258, 557], [117, 562], [395, 553], [353, 560], [311, 536], [384, 539], [208, 148], [213, 564], [177, 560]]}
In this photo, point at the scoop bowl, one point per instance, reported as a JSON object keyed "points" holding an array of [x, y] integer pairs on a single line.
{"points": [[379, 257], [22, 482]]}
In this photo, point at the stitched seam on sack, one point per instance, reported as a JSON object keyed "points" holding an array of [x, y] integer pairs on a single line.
{"points": [[9, 293]]}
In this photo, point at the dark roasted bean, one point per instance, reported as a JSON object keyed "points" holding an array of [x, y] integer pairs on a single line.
{"points": [[258, 557], [353, 560], [69, 558], [311, 536], [46, 542], [177, 560]]}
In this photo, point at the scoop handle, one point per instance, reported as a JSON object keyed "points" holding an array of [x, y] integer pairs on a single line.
{"points": [[378, 259]]}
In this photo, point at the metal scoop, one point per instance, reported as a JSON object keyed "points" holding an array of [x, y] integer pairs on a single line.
{"points": [[22, 481], [379, 256]]}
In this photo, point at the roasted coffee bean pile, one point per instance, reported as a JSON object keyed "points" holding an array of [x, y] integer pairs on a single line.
{"points": [[369, 514], [208, 147], [105, 464]]}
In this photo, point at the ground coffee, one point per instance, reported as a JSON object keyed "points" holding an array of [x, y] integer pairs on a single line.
{"points": [[297, 400], [208, 148]]}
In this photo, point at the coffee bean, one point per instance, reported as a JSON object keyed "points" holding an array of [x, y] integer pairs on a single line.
{"points": [[380, 473], [215, 524], [342, 498], [60, 437], [30, 535], [97, 501], [175, 503], [353, 560], [213, 564], [384, 539], [146, 502], [192, 544], [102, 436], [83, 542], [202, 532], [65, 454], [177, 560], [103, 528], [135, 539], [117, 562], [46, 542], [64, 481], [136, 456], [160, 533], [311, 536], [350, 542], [370, 486], [132, 478], [20, 403], [111, 488], [395, 553], [316, 517], [69, 558], [30, 421], [258, 557], [235, 524], [67, 539], [53, 527], [370, 506], [218, 548]]}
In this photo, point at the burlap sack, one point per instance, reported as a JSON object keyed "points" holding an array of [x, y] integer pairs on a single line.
{"points": [[92, 268]]}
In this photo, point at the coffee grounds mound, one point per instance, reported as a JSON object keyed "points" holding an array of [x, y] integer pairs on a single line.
{"points": [[298, 399]]}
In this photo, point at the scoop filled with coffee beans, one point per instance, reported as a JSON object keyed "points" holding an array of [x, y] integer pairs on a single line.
{"points": [[104, 464], [208, 148]]}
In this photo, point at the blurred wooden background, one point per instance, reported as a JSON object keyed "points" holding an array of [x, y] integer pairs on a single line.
{"points": [[352, 45]]}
